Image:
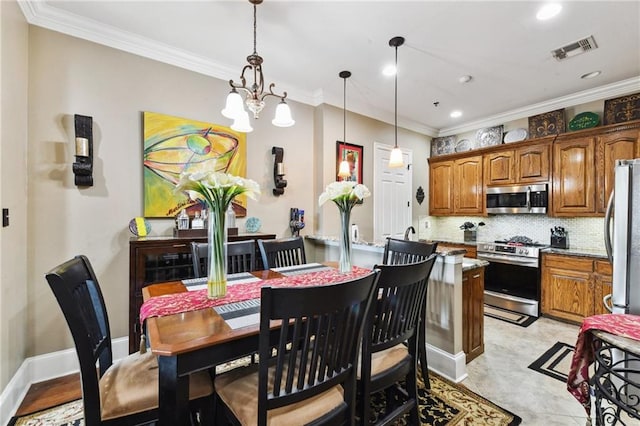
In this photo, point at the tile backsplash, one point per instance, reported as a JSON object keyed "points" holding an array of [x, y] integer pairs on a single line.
{"points": [[584, 233]]}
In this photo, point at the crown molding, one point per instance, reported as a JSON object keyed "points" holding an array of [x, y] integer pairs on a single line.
{"points": [[619, 88], [41, 14]]}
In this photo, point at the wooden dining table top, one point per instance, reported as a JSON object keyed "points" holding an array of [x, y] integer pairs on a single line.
{"points": [[189, 331]]}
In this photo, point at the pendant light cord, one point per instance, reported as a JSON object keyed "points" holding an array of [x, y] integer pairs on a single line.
{"points": [[344, 114], [396, 99], [255, 52]]}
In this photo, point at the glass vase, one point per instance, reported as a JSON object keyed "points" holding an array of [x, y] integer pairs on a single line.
{"points": [[217, 265], [345, 241]]}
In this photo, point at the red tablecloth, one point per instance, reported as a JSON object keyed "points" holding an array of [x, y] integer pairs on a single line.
{"points": [[617, 324], [170, 304]]}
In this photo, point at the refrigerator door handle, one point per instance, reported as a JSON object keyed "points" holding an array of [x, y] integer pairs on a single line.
{"points": [[607, 228], [606, 301]]}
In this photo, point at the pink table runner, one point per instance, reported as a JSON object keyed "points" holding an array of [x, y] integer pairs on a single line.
{"points": [[617, 324], [170, 304]]}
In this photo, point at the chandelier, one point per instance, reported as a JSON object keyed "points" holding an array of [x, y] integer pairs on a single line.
{"points": [[395, 159], [255, 93]]}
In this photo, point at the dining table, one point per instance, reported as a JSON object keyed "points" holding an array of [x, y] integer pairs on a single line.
{"points": [[189, 332]]}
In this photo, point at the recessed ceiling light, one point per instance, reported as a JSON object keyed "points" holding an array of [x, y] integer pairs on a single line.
{"points": [[389, 70], [591, 74], [465, 79], [455, 114], [548, 11]]}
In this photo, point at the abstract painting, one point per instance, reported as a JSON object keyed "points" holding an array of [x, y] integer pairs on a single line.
{"points": [[173, 145]]}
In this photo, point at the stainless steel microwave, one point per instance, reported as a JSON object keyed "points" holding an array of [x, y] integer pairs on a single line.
{"points": [[517, 199]]}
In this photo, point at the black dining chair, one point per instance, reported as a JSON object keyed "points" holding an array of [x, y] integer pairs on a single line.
{"points": [[400, 252], [125, 392], [282, 252], [390, 341], [313, 383], [241, 257]]}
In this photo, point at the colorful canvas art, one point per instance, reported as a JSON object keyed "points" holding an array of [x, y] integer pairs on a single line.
{"points": [[173, 145]]}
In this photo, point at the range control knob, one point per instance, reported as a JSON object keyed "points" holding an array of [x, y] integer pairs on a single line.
{"points": [[524, 251]]}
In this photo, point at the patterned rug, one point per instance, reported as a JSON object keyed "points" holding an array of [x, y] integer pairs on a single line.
{"points": [[446, 404], [511, 317], [555, 362]]}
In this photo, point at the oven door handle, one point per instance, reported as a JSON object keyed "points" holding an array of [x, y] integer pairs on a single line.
{"points": [[497, 258]]}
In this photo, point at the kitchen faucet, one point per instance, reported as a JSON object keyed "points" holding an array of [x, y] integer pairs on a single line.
{"points": [[406, 233]]}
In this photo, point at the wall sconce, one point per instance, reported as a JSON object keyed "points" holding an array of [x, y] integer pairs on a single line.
{"points": [[278, 171], [83, 166]]}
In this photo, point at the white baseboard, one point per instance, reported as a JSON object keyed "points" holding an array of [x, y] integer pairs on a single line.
{"points": [[452, 367], [45, 367]]}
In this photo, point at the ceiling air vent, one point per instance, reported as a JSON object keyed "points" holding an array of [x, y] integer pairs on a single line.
{"points": [[575, 48]]}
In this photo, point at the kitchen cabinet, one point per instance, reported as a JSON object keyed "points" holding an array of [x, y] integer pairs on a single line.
{"points": [[573, 286], [574, 177], [468, 192], [455, 186], [473, 312], [518, 166], [619, 145], [441, 188], [603, 271], [157, 259]]}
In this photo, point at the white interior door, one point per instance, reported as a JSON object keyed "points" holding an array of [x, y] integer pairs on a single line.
{"points": [[391, 194]]}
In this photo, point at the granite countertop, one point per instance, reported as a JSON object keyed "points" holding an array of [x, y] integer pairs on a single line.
{"points": [[443, 241], [469, 264], [595, 253], [442, 251]]}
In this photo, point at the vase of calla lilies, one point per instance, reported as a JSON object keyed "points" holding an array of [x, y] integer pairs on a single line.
{"points": [[345, 195], [217, 190]]}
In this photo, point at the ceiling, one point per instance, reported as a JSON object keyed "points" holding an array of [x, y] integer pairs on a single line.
{"points": [[305, 44]]}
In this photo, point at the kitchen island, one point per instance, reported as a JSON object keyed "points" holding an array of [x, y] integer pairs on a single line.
{"points": [[454, 314]]}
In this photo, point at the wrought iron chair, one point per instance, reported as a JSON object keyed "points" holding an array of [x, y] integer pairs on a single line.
{"points": [[314, 383], [400, 252], [241, 257], [282, 252], [125, 392], [390, 340]]}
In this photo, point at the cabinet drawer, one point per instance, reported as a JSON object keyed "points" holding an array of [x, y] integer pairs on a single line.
{"points": [[603, 267], [568, 262]]}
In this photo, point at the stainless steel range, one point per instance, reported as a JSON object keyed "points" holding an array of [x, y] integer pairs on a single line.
{"points": [[512, 279]]}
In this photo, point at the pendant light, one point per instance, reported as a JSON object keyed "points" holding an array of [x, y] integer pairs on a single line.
{"points": [[343, 171], [395, 159]]}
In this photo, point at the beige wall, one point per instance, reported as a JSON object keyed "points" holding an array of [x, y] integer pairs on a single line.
{"points": [[13, 189], [70, 76]]}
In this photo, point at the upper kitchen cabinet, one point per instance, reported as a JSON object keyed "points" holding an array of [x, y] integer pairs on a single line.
{"points": [[441, 188], [618, 145], [517, 166], [574, 177], [467, 183], [455, 186]]}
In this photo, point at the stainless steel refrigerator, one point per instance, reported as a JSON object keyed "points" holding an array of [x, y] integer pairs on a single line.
{"points": [[622, 238]]}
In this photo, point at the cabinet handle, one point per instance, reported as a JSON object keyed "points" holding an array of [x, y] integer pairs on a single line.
{"points": [[179, 245], [476, 276]]}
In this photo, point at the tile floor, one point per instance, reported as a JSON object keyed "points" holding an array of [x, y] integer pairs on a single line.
{"points": [[501, 374]]}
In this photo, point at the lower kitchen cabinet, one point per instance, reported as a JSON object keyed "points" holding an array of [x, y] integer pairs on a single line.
{"points": [[473, 312], [573, 287]]}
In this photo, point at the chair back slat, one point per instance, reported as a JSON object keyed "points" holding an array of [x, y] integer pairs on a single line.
{"points": [[401, 252], [78, 293], [282, 252], [318, 342], [241, 257]]}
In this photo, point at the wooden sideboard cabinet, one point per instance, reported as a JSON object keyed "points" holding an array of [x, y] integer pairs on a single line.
{"points": [[157, 259], [573, 286], [473, 313]]}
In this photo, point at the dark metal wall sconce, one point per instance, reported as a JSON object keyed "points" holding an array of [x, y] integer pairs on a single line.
{"points": [[420, 195], [278, 171], [83, 166]]}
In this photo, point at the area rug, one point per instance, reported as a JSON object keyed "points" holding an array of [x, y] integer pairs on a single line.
{"points": [[555, 362], [511, 317], [446, 404]]}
